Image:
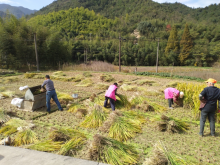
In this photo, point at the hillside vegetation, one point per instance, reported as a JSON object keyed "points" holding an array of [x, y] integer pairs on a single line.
{"points": [[187, 36]]}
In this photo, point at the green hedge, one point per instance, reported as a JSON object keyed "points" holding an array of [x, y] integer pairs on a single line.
{"points": [[169, 75]]}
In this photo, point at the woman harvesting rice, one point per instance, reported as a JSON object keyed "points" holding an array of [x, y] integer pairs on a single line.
{"points": [[110, 94], [172, 94]]}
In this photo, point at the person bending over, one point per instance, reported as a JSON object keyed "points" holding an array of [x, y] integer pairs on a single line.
{"points": [[172, 94], [110, 94]]}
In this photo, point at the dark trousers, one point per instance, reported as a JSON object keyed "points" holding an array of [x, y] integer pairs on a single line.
{"points": [[49, 95], [170, 102], [112, 102], [211, 117]]}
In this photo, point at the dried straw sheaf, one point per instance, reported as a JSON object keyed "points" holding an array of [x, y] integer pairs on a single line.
{"points": [[145, 107], [157, 157], [162, 156], [111, 119], [172, 125], [112, 151], [80, 113], [92, 97]]}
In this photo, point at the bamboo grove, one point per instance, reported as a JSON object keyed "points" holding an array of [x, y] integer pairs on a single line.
{"points": [[63, 36]]}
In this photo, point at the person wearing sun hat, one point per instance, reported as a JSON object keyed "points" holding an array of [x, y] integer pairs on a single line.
{"points": [[210, 94]]}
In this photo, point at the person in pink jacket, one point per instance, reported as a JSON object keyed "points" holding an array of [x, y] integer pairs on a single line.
{"points": [[172, 94], [111, 94]]}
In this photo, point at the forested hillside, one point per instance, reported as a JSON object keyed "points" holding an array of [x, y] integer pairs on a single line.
{"points": [[186, 36]]}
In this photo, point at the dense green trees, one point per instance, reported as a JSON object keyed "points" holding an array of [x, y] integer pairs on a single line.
{"points": [[186, 45], [64, 35]]}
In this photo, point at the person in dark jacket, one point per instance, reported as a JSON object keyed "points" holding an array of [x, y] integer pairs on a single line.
{"points": [[51, 93], [211, 94]]}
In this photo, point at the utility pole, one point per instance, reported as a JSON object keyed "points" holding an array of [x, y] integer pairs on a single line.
{"points": [[86, 56], [119, 60], [157, 55], [35, 41]]}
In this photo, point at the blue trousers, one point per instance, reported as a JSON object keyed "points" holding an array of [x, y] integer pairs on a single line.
{"points": [[49, 95], [211, 117], [112, 102]]}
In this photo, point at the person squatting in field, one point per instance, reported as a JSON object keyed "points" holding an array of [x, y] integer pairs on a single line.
{"points": [[51, 93], [209, 97], [172, 94], [111, 95]]}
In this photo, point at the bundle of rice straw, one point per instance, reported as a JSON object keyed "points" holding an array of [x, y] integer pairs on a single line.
{"points": [[25, 137], [144, 82], [29, 75], [111, 119], [145, 107], [112, 151], [123, 102], [58, 74], [87, 74], [3, 117], [92, 97], [2, 89], [78, 78], [102, 86], [7, 94], [63, 134], [79, 110], [123, 129], [162, 156], [47, 146], [157, 156], [172, 125], [106, 78], [126, 87], [12, 79], [64, 97], [12, 125], [123, 125], [73, 144], [95, 118], [85, 83]]}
